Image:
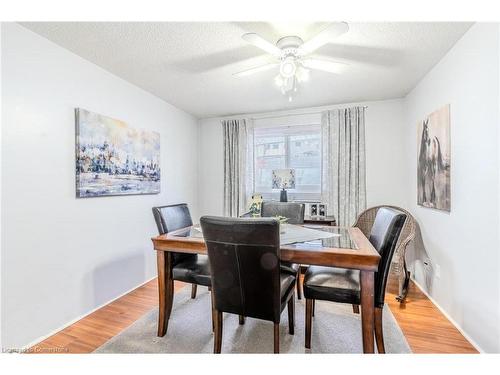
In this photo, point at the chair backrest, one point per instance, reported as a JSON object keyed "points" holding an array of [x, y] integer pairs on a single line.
{"points": [[244, 262], [365, 223], [384, 236], [172, 217], [291, 210]]}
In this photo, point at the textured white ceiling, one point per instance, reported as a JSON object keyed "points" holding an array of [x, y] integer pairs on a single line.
{"points": [[190, 65]]}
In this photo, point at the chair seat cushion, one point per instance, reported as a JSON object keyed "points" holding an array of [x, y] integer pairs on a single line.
{"points": [[332, 284], [194, 270], [291, 268]]}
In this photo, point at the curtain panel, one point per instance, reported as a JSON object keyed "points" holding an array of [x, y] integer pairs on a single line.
{"points": [[343, 163], [238, 165]]}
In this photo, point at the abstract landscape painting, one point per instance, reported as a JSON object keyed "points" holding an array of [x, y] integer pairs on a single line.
{"points": [[113, 158], [433, 171]]}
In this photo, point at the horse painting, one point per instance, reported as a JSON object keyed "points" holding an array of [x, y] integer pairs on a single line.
{"points": [[433, 172]]}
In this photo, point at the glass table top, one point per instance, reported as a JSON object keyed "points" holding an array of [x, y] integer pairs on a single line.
{"points": [[190, 232], [341, 237]]}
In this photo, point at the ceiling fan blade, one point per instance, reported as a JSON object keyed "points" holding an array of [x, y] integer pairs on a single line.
{"points": [[261, 43], [331, 32], [256, 69], [325, 65]]}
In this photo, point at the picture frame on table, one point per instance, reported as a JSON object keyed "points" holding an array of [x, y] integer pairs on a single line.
{"points": [[313, 209]]}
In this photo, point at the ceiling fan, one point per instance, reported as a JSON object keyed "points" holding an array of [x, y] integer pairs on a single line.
{"points": [[293, 60]]}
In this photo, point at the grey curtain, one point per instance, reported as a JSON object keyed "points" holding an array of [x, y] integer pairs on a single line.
{"points": [[238, 165], [343, 159]]}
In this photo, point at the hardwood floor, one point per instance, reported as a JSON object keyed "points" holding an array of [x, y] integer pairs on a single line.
{"points": [[95, 329], [425, 327]]}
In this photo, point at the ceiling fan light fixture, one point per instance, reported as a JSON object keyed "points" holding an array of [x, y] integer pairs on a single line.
{"points": [[302, 74], [290, 54], [288, 67]]}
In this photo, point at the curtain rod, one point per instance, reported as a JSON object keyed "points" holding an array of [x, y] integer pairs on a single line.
{"points": [[294, 114]]}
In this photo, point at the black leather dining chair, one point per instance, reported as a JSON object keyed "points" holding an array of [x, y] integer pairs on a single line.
{"points": [[190, 268], [343, 285], [294, 212], [246, 277]]}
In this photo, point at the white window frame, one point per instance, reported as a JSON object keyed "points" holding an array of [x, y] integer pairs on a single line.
{"points": [[287, 131]]}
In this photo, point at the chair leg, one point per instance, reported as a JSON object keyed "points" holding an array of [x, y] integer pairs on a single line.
{"points": [[379, 334], [309, 309], [218, 332], [298, 285], [403, 285], [355, 309], [314, 307], [276, 338], [291, 315], [241, 319], [193, 290], [214, 312]]}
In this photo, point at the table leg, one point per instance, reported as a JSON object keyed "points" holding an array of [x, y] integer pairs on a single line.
{"points": [[367, 310], [165, 290]]}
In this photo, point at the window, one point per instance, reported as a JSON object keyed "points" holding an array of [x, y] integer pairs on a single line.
{"points": [[297, 147]]}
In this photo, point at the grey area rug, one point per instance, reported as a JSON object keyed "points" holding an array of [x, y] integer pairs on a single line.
{"points": [[336, 329]]}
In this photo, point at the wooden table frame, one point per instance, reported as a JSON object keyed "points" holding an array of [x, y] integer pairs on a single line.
{"points": [[365, 258]]}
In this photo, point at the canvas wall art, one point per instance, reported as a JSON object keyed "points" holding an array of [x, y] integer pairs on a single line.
{"points": [[433, 170], [113, 158]]}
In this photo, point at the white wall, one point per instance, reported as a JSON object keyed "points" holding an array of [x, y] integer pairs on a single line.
{"points": [[61, 256], [385, 152], [465, 242]]}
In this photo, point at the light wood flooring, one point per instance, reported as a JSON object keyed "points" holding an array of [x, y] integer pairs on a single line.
{"points": [[425, 327]]}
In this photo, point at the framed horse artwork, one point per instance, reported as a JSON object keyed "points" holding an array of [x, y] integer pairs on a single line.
{"points": [[433, 169]]}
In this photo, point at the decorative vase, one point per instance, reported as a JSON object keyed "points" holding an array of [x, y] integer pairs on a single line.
{"points": [[283, 196]]}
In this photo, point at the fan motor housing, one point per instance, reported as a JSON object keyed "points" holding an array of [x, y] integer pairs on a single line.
{"points": [[289, 44]]}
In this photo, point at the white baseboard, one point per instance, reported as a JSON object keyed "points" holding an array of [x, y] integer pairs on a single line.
{"points": [[452, 321], [40, 339]]}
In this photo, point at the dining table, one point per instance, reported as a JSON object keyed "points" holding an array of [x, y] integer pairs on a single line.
{"points": [[347, 247]]}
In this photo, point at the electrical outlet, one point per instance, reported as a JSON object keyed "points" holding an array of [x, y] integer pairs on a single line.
{"points": [[437, 271]]}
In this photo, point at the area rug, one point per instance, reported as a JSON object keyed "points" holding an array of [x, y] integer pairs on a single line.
{"points": [[336, 329]]}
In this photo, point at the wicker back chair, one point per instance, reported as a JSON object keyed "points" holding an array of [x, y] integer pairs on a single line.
{"points": [[365, 222]]}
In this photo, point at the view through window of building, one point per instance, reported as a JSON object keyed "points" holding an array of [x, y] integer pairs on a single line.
{"points": [[297, 147]]}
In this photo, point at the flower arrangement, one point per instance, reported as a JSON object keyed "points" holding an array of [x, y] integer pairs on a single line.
{"points": [[283, 221], [255, 205]]}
